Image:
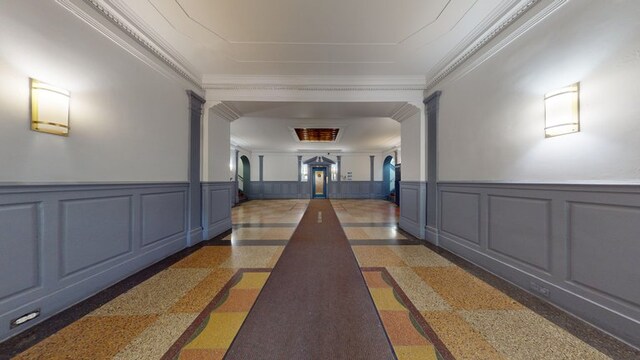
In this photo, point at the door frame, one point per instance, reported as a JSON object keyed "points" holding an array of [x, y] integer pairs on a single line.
{"points": [[324, 195]]}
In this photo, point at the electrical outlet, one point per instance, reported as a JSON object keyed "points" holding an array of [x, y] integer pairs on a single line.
{"points": [[24, 318], [541, 290], [544, 291]]}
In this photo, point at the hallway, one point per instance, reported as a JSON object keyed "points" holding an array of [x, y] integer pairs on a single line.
{"points": [[422, 296]]}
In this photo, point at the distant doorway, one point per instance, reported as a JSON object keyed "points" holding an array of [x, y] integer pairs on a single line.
{"points": [[319, 183], [244, 176], [389, 178]]}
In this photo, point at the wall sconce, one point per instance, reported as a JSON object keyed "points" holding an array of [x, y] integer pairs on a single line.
{"points": [[49, 108], [562, 111]]}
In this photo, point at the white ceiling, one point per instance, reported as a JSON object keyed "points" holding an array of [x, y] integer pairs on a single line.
{"points": [[314, 37], [330, 43], [267, 126]]}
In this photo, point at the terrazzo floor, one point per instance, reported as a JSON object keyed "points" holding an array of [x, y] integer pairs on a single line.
{"points": [[474, 314]]}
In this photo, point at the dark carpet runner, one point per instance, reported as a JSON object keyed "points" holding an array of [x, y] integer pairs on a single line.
{"points": [[315, 304]]}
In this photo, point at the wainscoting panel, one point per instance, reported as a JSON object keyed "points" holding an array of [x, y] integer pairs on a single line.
{"points": [[162, 216], [576, 246], [19, 248], [280, 189], [460, 215], [530, 219], [604, 250], [217, 207], [413, 198], [60, 244], [289, 190], [94, 231]]}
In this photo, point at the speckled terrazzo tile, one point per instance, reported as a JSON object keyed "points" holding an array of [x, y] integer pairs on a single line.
{"points": [[206, 257], [91, 338], [247, 233], [526, 335], [418, 255], [376, 256], [278, 233], [423, 297], [464, 342], [199, 296], [383, 233], [250, 257], [464, 291], [355, 233], [275, 257], [154, 341], [155, 295]]}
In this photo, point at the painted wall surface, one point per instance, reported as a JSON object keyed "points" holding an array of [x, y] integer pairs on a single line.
{"points": [[279, 167], [216, 144], [128, 121], [491, 123], [359, 165], [412, 146]]}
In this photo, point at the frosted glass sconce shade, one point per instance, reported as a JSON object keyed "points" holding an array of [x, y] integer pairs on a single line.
{"points": [[562, 111], [49, 108]]}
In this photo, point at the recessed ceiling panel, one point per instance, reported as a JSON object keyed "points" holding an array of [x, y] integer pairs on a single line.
{"points": [[317, 134], [313, 21], [314, 37]]}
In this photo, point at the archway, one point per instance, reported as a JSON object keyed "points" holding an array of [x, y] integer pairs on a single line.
{"points": [[389, 178], [244, 175]]}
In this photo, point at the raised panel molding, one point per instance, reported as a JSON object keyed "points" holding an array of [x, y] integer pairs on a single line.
{"points": [[61, 243], [217, 202], [94, 231], [19, 248], [580, 242], [336, 190], [410, 208], [162, 216], [604, 249], [413, 199], [460, 215], [520, 228], [218, 209]]}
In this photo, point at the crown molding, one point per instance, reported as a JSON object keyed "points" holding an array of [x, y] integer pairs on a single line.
{"points": [[108, 12], [490, 51], [404, 112], [498, 26], [313, 83], [225, 111]]}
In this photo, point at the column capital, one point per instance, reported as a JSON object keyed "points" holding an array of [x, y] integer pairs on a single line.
{"points": [[433, 97], [195, 101]]}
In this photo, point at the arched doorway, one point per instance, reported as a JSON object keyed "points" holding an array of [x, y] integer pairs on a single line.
{"points": [[389, 178], [244, 177]]}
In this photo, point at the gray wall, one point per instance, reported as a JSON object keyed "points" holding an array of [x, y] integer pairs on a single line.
{"points": [[60, 244], [302, 190], [579, 242], [217, 200], [413, 196]]}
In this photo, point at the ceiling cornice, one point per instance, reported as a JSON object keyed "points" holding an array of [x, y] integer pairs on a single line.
{"points": [[492, 32], [110, 10], [313, 83], [489, 50], [144, 40], [225, 111], [405, 112]]}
